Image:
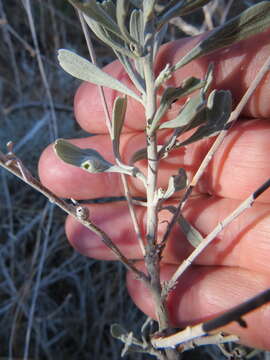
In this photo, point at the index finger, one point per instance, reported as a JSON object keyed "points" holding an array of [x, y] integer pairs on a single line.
{"points": [[235, 68]]}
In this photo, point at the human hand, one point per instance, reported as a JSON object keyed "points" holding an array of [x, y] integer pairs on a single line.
{"points": [[236, 266]]}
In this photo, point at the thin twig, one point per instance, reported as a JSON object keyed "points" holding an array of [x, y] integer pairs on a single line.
{"points": [[226, 11], [41, 262], [186, 27], [53, 123], [8, 41], [32, 104], [210, 237], [21, 40], [12, 167]]}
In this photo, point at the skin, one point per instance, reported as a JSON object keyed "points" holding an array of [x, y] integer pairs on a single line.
{"points": [[236, 266]]}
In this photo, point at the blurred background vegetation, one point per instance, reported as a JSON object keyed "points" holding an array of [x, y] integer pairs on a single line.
{"points": [[55, 303]]}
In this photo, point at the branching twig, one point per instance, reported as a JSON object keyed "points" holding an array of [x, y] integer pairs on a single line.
{"points": [[210, 237], [15, 166]]}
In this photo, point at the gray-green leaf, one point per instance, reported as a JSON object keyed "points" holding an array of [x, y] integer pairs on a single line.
{"points": [[95, 11], [148, 10], [172, 94], [121, 15], [193, 110], [219, 107], [84, 70], [88, 159], [176, 183], [250, 22], [136, 28], [110, 39], [119, 112], [193, 235]]}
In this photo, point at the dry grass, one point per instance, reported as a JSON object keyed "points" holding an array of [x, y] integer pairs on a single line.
{"points": [[54, 303]]}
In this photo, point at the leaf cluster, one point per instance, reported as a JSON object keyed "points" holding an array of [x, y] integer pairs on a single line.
{"points": [[127, 27]]}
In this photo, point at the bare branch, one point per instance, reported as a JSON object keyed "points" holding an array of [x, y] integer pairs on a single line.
{"points": [[15, 166]]}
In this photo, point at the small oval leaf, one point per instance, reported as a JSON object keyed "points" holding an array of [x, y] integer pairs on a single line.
{"points": [[193, 235], [84, 70], [119, 112], [88, 159]]}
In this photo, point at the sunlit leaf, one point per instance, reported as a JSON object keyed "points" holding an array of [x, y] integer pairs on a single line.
{"points": [[193, 113], [83, 69], [119, 112], [250, 22], [219, 107], [193, 235]]}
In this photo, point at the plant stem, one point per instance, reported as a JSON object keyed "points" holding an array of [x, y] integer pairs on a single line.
{"points": [[152, 257]]}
